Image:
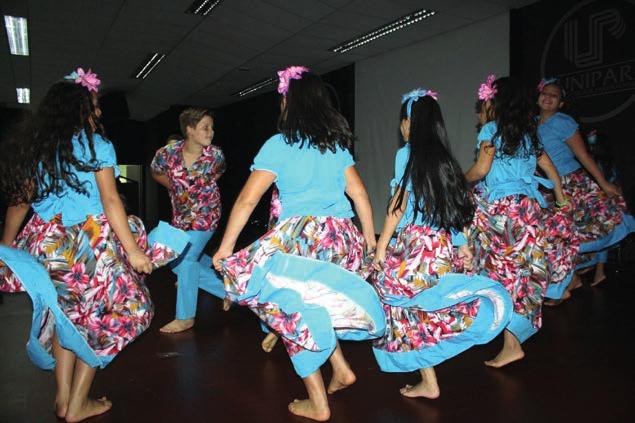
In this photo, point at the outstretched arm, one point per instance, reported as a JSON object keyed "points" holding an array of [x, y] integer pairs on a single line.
{"points": [[576, 143], [483, 164], [13, 221], [357, 191], [258, 183], [118, 220]]}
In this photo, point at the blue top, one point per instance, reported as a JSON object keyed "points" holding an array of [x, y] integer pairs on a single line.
{"points": [[309, 183], [401, 160], [511, 175], [73, 206], [554, 133]]}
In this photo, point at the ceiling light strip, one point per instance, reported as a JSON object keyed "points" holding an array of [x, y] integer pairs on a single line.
{"points": [[148, 65], [202, 7], [24, 95], [18, 35], [255, 87], [393, 26]]}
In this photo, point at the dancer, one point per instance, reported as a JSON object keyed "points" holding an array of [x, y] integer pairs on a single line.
{"points": [[86, 259], [189, 169], [301, 298], [508, 233], [599, 211], [430, 318]]}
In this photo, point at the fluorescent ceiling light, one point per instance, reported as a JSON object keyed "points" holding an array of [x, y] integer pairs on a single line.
{"points": [[202, 7], [393, 26], [18, 35], [255, 87], [24, 95], [150, 62]]}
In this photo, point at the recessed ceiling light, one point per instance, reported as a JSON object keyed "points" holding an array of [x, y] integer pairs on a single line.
{"points": [[18, 34], [393, 26], [202, 7], [255, 87], [149, 63], [24, 95]]}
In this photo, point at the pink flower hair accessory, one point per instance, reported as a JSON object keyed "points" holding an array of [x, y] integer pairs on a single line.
{"points": [[286, 75], [86, 79], [487, 90], [548, 81]]}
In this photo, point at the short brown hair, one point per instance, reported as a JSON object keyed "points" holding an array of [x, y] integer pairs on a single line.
{"points": [[191, 117]]}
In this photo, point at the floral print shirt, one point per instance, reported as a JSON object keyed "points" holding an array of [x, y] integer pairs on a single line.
{"points": [[193, 191]]}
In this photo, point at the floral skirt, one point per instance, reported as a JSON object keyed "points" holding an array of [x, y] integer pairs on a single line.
{"points": [[600, 220], [313, 259], [425, 326], [509, 241], [97, 290], [562, 247]]}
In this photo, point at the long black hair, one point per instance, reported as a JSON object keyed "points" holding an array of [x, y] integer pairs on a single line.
{"points": [[41, 161], [309, 115], [438, 185], [515, 120]]}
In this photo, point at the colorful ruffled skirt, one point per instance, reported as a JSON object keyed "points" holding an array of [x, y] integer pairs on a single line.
{"points": [[83, 289], [562, 248], [431, 313], [509, 242], [600, 221], [298, 278]]}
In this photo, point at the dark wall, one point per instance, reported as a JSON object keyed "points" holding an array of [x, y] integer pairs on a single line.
{"points": [[589, 45]]}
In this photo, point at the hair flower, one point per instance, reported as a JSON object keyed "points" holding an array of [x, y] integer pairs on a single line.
{"points": [[548, 81], [285, 75], [487, 90], [414, 95], [86, 79]]}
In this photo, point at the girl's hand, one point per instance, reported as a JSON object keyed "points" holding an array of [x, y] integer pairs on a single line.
{"points": [[371, 242], [465, 254], [220, 255], [611, 190], [140, 262], [380, 258]]}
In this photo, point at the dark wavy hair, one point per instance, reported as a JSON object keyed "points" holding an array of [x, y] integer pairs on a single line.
{"points": [[41, 160], [310, 116], [438, 184], [513, 113]]}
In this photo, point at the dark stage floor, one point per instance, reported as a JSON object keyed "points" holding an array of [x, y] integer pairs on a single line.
{"points": [[577, 369]]}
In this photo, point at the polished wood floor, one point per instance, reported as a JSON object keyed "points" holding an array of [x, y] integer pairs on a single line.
{"points": [[578, 368]]}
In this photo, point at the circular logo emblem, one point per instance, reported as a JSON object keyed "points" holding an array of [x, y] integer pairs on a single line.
{"points": [[591, 51]]}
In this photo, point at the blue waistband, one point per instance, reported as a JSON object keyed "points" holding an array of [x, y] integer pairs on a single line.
{"points": [[527, 185]]}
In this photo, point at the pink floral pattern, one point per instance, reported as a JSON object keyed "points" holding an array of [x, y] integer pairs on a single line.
{"points": [[509, 241], [102, 295], [413, 264], [196, 202], [329, 239], [563, 242]]}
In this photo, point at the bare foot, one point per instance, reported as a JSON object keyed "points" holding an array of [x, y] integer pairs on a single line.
{"points": [[306, 408], [576, 283], [269, 342], [227, 304], [341, 379], [552, 303], [89, 409], [598, 278], [61, 407], [584, 270], [421, 389], [177, 325], [505, 357]]}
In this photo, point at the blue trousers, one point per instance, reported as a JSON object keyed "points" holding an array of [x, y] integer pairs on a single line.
{"points": [[193, 271]]}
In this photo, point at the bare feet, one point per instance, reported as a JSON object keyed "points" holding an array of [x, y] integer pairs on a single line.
{"points": [[342, 379], [177, 325], [269, 342], [227, 304], [306, 408], [576, 283], [505, 357], [599, 276], [88, 409], [421, 390], [552, 303]]}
